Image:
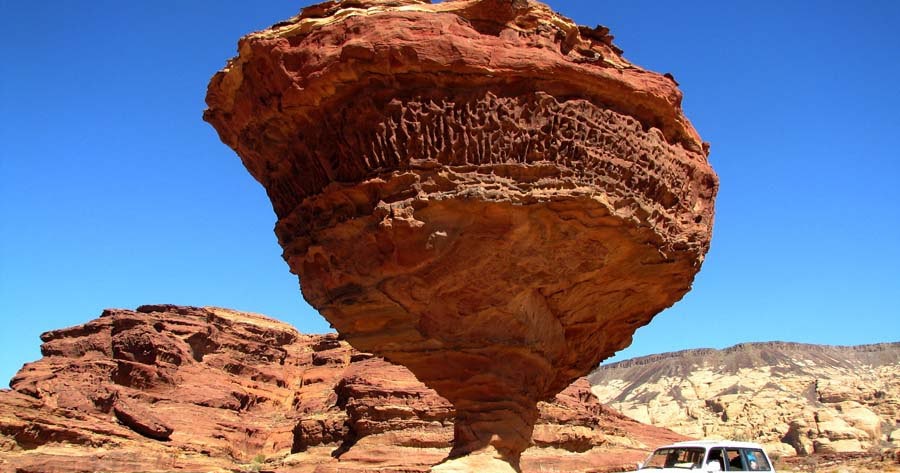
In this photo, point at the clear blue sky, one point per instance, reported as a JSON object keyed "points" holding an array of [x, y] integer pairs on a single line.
{"points": [[114, 192]]}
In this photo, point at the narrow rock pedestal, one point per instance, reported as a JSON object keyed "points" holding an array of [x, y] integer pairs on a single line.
{"points": [[496, 436]]}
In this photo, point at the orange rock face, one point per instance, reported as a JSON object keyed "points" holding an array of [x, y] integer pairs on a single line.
{"points": [[169, 388], [479, 190]]}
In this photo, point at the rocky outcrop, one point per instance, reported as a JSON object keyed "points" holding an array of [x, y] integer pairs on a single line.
{"points": [[141, 421], [795, 398], [167, 388], [479, 190]]}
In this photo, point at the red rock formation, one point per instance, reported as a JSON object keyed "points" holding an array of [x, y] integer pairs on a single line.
{"points": [[479, 190], [231, 391]]}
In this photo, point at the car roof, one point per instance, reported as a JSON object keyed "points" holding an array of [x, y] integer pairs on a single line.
{"points": [[714, 443]]}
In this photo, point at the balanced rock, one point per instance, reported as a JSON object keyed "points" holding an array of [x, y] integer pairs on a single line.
{"points": [[479, 190]]}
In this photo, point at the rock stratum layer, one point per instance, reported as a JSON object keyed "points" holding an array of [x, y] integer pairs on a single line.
{"points": [[795, 398], [167, 388], [479, 190]]}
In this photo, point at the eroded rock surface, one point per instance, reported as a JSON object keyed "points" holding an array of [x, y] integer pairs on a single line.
{"points": [[479, 190], [168, 388], [795, 398]]}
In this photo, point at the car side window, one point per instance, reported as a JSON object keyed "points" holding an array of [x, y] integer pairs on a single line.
{"points": [[734, 459], [716, 456], [756, 460]]}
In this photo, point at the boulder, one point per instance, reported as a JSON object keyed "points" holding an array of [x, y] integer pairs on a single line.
{"points": [[141, 420]]}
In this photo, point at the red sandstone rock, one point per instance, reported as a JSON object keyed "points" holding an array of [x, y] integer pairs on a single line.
{"points": [[479, 190], [234, 387], [141, 420]]}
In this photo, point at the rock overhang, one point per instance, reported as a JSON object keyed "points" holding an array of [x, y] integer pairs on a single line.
{"points": [[479, 190]]}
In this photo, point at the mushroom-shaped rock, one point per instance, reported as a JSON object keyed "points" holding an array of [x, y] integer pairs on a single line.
{"points": [[479, 190]]}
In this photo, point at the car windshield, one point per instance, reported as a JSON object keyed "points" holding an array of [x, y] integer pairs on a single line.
{"points": [[682, 457]]}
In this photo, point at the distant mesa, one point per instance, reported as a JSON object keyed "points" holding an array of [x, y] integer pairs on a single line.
{"points": [[798, 399], [479, 190]]}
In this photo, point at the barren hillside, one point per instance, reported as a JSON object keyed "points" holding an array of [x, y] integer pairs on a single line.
{"points": [[795, 398]]}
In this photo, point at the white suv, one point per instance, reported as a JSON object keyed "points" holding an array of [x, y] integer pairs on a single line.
{"points": [[708, 456]]}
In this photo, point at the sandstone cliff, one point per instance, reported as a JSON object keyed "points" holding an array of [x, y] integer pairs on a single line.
{"points": [[168, 388], [795, 398]]}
